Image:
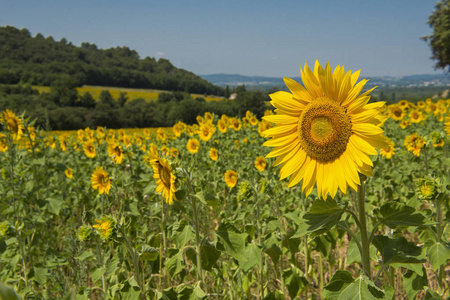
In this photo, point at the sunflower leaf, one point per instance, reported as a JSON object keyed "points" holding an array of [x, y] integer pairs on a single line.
{"points": [[398, 250], [397, 214], [343, 286], [438, 254], [322, 217]]}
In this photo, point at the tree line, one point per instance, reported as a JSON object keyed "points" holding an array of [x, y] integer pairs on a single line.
{"points": [[41, 61], [63, 108]]}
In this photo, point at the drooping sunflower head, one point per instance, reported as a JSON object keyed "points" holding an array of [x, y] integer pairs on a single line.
{"points": [[260, 163], [325, 130], [231, 178], [100, 181], [165, 179], [213, 154], [192, 146], [13, 123]]}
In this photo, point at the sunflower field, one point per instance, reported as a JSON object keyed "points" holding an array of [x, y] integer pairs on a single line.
{"points": [[329, 196]]}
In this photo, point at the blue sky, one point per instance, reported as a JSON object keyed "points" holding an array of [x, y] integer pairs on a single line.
{"points": [[266, 38]]}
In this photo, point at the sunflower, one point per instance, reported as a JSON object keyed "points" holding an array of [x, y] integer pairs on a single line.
{"points": [[231, 178], [100, 181], [106, 227], [325, 131], [235, 124], [178, 128], [115, 152], [260, 163], [222, 125], [396, 112], [192, 146], [416, 116], [165, 179], [437, 140], [174, 152], [421, 104], [69, 173], [3, 143], [208, 117], [404, 124], [447, 125], [12, 123], [389, 150], [89, 149], [206, 131], [414, 143], [213, 154]]}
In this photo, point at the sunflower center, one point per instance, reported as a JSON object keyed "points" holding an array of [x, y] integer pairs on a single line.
{"points": [[324, 129]]}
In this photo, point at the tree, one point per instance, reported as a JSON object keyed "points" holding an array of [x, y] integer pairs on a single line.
{"points": [[439, 40]]}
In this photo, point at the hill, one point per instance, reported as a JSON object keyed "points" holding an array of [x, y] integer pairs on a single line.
{"points": [[44, 61], [423, 80]]}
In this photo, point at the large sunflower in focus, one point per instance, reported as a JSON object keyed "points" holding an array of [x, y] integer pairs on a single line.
{"points": [[165, 179], [325, 130]]}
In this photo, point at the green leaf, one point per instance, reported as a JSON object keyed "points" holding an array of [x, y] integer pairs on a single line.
{"points": [[175, 264], [389, 292], [438, 254], [252, 256], [130, 292], [167, 294], [96, 273], [54, 206], [398, 250], [272, 249], [417, 268], [209, 256], [294, 281], [322, 216], [398, 214], [85, 255], [148, 253], [432, 295], [198, 293], [183, 235], [113, 266], [232, 241], [40, 275], [342, 286], [414, 283], [7, 293]]}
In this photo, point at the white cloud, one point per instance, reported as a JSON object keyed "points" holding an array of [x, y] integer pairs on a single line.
{"points": [[159, 54]]}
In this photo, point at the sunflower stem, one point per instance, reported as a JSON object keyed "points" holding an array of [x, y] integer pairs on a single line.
{"points": [[163, 245], [197, 241], [365, 253]]}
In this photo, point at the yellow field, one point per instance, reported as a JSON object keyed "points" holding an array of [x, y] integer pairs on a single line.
{"points": [[147, 94]]}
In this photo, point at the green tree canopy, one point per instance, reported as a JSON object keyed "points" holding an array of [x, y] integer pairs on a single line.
{"points": [[439, 40]]}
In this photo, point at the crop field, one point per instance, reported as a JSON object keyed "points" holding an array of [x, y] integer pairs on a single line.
{"points": [[147, 94], [200, 212]]}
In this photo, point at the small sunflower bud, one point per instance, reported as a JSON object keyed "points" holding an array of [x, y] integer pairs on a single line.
{"points": [[84, 233], [427, 188], [5, 229]]}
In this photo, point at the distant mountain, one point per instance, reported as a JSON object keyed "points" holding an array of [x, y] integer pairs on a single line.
{"points": [[381, 81]]}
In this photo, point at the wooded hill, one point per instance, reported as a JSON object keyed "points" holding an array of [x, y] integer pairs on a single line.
{"points": [[44, 61]]}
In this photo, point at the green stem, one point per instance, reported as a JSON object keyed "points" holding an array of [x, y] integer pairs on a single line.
{"points": [[441, 271], [261, 261], [163, 246], [197, 241], [426, 159], [320, 270], [365, 254]]}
